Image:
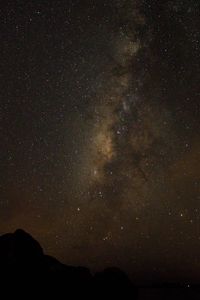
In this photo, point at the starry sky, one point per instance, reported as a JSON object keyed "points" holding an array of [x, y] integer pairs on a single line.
{"points": [[99, 129]]}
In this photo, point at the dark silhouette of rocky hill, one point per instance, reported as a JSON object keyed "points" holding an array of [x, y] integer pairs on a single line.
{"points": [[26, 271]]}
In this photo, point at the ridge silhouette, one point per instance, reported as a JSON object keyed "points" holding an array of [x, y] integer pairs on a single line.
{"points": [[29, 271]]}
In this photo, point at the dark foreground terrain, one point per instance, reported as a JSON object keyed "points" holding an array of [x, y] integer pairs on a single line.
{"points": [[26, 272]]}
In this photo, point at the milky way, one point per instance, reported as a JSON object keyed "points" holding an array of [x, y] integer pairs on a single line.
{"points": [[100, 131]]}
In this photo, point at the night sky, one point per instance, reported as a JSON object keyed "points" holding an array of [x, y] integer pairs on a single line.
{"points": [[99, 130]]}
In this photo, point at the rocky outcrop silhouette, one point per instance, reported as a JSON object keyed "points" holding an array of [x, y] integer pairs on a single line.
{"points": [[19, 248], [24, 268]]}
